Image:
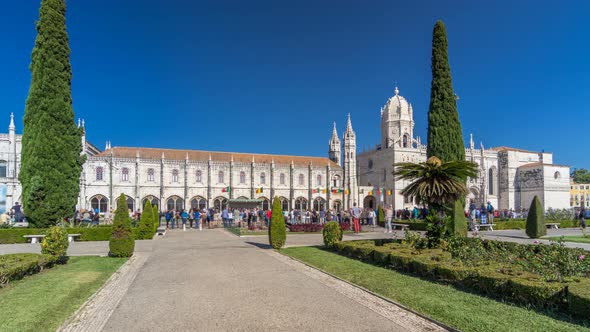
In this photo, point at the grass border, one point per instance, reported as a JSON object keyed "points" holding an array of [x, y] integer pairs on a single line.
{"points": [[432, 320]]}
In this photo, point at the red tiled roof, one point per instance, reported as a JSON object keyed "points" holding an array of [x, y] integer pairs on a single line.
{"points": [[154, 153]]}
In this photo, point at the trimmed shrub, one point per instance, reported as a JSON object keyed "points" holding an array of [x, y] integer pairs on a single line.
{"points": [[535, 223], [122, 242], [332, 234], [277, 232], [146, 223], [16, 266], [458, 223], [380, 216], [55, 242], [491, 279]]}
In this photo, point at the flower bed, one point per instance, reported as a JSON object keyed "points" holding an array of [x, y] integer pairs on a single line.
{"points": [[16, 266], [513, 272], [15, 235], [311, 228]]}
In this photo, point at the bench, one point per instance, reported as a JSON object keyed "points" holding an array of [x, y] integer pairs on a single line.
{"points": [[34, 238], [161, 230], [71, 237], [484, 226], [552, 225], [401, 226]]}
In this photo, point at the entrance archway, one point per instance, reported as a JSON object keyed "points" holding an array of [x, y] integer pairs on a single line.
{"points": [[337, 205], [153, 200], [370, 202], [319, 204], [175, 203], [199, 203], [99, 202], [301, 204], [219, 204]]}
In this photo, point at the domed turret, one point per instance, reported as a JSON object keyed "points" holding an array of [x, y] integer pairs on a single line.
{"points": [[397, 122]]}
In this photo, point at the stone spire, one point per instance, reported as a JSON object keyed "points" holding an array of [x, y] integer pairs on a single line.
{"points": [[471, 142], [349, 166], [11, 126], [349, 125], [334, 147]]}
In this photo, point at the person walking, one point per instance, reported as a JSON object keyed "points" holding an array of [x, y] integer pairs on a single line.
{"points": [[371, 217], [388, 217], [183, 217], [168, 217], [356, 216], [583, 218], [225, 217]]}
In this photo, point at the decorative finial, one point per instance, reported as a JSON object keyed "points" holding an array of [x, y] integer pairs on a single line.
{"points": [[78, 122], [396, 91], [83, 123], [471, 142], [11, 126]]}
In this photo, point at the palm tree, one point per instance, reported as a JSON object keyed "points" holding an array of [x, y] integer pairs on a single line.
{"points": [[436, 183]]}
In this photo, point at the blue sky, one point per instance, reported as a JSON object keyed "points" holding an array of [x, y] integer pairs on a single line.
{"points": [[272, 76]]}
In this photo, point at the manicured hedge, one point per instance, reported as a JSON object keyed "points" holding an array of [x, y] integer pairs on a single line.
{"points": [[515, 286], [15, 235], [498, 224], [16, 266]]}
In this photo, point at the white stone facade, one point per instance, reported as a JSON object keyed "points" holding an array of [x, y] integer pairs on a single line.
{"points": [[508, 178]]}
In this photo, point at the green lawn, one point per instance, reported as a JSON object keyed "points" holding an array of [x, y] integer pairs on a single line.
{"points": [[579, 239], [42, 302], [464, 311]]}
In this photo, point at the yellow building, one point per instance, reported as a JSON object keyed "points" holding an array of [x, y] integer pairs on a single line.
{"points": [[579, 193]]}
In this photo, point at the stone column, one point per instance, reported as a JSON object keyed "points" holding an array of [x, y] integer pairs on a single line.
{"points": [[163, 205], [209, 182], [328, 186], [291, 188], [252, 166], [309, 187], [138, 205], [231, 178]]}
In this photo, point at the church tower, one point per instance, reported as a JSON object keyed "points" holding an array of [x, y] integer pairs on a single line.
{"points": [[334, 151], [397, 123], [350, 178]]}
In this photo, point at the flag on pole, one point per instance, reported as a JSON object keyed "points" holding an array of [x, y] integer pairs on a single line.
{"points": [[346, 192], [225, 190], [314, 191], [378, 191], [336, 191], [324, 191], [371, 193], [389, 193], [259, 190]]}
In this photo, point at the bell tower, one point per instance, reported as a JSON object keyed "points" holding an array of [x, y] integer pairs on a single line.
{"points": [[334, 151], [350, 179]]}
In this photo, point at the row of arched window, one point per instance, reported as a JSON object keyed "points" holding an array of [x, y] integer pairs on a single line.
{"points": [[100, 202], [220, 177]]}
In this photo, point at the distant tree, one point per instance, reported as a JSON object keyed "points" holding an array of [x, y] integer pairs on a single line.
{"points": [[445, 137], [581, 175], [51, 143]]}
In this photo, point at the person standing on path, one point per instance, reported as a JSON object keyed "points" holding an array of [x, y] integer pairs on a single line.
{"points": [[582, 218], [388, 216], [184, 217], [356, 216], [225, 217]]}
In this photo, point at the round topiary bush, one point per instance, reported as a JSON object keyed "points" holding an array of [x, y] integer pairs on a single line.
{"points": [[122, 242], [332, 234], [55, 242]]}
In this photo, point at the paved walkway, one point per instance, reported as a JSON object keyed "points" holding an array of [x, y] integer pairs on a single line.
{"points": [[214, 281]]}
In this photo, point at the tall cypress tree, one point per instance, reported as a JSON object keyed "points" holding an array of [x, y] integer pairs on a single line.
{"points": [[445, 138], [51, 161]]}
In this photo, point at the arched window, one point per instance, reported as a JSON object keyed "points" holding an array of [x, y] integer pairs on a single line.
{"points": [[491, 181], [198, 203], [242, 177], [405, 141], [318, 180], [125, 174], [282, 179], [319, 204], [199, 177], [219, 204], [3, 168], [265, 203], [301, 180], [99, 202], [262, 178], [130, 202], [301, 204], [557, 175], [220, 177], [337, 205], [99, 172], [336, 181], [150, 175], [284, 203], [175, 203], [154, 201], [174, 175]]}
